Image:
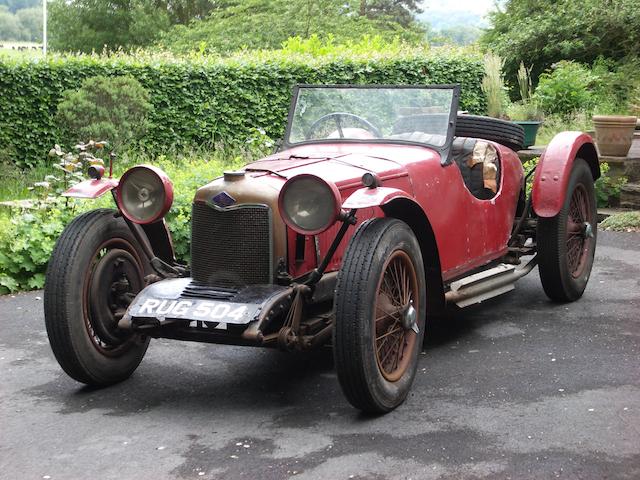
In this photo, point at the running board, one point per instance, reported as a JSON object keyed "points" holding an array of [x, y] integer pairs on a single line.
{"points": [[484, 285]]}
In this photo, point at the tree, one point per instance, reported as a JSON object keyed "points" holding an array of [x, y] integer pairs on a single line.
{"points": [[31, 21], [10, 26], [184, 11], [105, 108], [223, 25], [401, 11], [543, 32], [267, 24], [92, 25]]}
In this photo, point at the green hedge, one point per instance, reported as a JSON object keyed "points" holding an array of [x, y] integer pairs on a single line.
{"points": [[203, 101]]}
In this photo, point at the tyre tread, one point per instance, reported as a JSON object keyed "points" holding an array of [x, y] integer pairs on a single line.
{"points": [[352, 284], [60, 293]]}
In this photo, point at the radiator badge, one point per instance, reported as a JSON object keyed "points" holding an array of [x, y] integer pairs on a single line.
{"points": [[223, 199]]}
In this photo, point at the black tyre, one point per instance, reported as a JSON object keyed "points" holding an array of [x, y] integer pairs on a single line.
{"points": [[567, 242], [380, 305], [506, 133], [94, 272]]}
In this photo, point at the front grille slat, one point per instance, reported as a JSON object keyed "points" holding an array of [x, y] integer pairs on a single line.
{"points": [[231, 247]]}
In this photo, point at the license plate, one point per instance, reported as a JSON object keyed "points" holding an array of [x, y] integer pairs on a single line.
{"points": [[195, 309]]}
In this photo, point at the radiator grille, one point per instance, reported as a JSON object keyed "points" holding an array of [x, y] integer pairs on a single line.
{"points": [[231, 248]]}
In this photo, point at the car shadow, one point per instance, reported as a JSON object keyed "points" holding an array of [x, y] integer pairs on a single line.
{"points": [[201, 377]]}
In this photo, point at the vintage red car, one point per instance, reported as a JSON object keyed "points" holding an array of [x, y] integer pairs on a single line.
{"points": [[382, 206]]}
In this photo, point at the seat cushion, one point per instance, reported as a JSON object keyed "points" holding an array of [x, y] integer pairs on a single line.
{"points": [[479, 165]]}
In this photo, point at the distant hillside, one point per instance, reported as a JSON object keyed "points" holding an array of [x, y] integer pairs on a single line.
{"points": [[443, 19]]}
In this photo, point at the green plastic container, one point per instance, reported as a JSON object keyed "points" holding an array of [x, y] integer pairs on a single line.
{"points": [[530, 132]]}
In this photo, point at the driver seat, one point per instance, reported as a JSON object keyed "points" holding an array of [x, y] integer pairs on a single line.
{"points": [[479, 165]]}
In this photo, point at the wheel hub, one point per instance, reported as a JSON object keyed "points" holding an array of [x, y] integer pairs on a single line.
{"points": [[588, 230], [114, 283], [410, 318]]}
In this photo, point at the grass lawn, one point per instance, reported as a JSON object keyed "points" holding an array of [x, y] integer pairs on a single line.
{"points": [[14, 182]]}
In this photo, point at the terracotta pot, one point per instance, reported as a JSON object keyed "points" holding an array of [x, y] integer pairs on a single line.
{"points": [[614, 134]]}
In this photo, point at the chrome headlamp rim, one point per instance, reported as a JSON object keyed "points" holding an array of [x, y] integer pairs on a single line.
{"points": [[167, 188], [332, 190]]}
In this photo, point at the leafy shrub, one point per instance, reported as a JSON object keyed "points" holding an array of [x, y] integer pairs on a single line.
{"points": [[554, 124], [105, 107], [27, 236], [622, 222], [566, 89], [26, 244], [608, 187], [201, 101], [635, 101]]}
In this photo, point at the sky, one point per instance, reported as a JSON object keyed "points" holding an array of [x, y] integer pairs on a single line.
{"points": [[480, 7]]}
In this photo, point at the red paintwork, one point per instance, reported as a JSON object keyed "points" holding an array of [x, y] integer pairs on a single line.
{"points": [[469, 232], [553, 171], [91, 188], [372, 197], [168, 190]]}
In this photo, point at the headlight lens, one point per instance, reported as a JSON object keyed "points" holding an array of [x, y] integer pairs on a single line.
{"points": [[145, 194], [308, 204]]}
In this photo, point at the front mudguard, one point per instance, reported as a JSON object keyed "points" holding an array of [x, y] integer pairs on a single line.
{"points": [[554, 169], [91, 188], [155, 235], [373, 197]]}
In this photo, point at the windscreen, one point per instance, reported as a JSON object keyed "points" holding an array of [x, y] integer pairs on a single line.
{"points": [[418, 115]]}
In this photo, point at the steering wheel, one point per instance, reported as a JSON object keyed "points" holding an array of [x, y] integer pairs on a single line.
{"points": [[337, 118]]}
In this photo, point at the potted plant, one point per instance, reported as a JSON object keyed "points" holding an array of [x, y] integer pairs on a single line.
{"points": [[614, 129], [526, 112]]}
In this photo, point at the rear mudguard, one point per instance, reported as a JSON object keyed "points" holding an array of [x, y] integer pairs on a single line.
{"points": [[554, 169]]}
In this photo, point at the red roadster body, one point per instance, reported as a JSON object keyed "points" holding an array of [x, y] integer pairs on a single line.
{"points": [[383, 207]]}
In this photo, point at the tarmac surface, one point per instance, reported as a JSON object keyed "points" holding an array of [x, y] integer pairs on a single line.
{"points": [[516, 388]]}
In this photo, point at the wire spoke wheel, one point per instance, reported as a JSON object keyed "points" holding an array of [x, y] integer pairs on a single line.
{"points": [[394, 338], [579, 231], [567, 241], [380, 315]]}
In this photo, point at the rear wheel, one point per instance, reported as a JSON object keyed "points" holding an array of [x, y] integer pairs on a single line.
{"points": [[94, 272], [567, 242], [380, 315]]}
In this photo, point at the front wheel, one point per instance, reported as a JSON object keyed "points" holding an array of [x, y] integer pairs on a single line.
{"points": [[567, 242], [94, 272], [380, 308]]}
